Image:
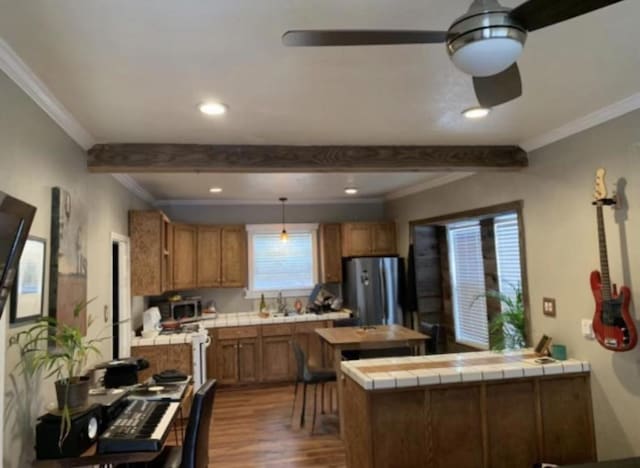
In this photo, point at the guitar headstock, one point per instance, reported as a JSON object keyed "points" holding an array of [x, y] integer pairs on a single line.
{"points": [[600, 189]]}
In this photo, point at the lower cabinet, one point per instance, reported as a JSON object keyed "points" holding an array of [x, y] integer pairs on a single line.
{"points": [[163, 357], [243, 355]]}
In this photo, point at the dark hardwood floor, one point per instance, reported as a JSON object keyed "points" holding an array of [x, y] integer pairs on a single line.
{"points": [[252, 428]]}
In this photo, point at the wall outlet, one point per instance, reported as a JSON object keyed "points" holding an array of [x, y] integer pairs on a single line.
{"points": [[587, 329], [549, 306]]}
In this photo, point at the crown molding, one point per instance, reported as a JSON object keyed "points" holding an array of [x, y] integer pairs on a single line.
{"points": [[18, 71], [134, 187], [428, 184], [261, 201], [586, 122]]}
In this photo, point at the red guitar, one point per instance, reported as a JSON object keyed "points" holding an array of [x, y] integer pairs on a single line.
{"points": [[612, 323]]}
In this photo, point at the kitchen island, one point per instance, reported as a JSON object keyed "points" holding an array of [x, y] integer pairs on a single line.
{"points": [[474, 410]]}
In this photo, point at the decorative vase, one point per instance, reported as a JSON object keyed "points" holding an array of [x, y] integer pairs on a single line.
{"points": [[77, 394]]}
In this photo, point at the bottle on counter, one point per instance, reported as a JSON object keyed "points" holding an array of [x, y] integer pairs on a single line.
{"points": [[264, 312]]}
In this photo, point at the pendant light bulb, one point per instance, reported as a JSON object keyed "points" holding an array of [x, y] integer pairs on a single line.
{"points": [[284, 237]]}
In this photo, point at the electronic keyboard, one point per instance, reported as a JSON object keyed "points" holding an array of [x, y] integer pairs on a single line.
{"points": [[143, 426]]}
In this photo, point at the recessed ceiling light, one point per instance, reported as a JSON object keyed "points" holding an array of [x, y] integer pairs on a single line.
{"points": [[350, 190], [215, 190], [212, 108], [476, 112]]}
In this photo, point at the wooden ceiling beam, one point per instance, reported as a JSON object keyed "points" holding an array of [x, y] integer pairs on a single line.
{"points": [[142, 157]]}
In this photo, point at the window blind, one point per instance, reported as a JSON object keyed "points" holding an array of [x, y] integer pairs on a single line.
{"points": [[507, 241], [278, 265], [467, 284]]}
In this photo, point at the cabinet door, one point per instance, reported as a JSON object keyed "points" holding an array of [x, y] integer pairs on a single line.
{"points": [[234, 257], [248, 360], [155, 355], [276, 358], [227, 361], [149, 252], [383, 236], [311, 343], [356, 239], [330, 253], [184, 256], [208, 257]]}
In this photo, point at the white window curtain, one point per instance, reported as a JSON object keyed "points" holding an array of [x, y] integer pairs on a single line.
{"points": [[507, 241], [468, 285], [275, 265]]}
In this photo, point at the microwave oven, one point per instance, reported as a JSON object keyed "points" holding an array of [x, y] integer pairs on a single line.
{"points": [[177, 310]]}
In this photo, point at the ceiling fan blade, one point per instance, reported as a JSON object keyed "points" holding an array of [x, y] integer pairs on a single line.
{"points": [[537, 14], [497, 89], [360, 37]]}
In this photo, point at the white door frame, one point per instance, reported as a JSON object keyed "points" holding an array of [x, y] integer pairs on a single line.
{"points": [[124, 290]]}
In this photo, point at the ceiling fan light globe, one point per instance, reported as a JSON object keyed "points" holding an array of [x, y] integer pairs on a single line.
{"points": [[487, 57]]}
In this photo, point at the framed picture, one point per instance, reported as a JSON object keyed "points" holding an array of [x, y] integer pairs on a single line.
{"points": [[27, 295]]}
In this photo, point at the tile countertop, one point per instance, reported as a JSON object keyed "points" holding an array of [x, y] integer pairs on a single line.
{"points": [[418, 371], [238, 319]]}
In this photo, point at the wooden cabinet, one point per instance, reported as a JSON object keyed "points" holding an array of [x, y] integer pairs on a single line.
{"points": [[250, 354], [221, 257], [311, 343], [150, 237], [184, 256], [234, 256], [330, 253], [208, 261], [237, 355], [368, 239], [163, 357], [278, 363]]}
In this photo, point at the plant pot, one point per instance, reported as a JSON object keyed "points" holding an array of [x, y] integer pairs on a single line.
{"points": [[77, 394]]}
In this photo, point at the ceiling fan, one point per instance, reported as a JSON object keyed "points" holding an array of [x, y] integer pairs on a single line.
{"points": [[485, 42]]}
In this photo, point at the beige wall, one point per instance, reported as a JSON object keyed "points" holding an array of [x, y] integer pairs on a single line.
{"points": [[561, 247], [36, 155]]}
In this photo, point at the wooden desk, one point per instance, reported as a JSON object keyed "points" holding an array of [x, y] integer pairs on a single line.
{"points": [[358, 338], [90, 457]]}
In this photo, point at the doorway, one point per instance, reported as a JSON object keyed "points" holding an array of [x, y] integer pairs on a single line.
{"points": [[120, 296]]}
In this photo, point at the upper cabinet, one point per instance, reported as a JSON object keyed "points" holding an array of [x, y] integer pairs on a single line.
{"points": [[185, 245], [234, 256], [330, 253], [368, 239], [209, 262], [220, 257], [151, 241]]}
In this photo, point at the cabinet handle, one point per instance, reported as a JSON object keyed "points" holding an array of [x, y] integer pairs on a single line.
{"points": [[240, 346]]}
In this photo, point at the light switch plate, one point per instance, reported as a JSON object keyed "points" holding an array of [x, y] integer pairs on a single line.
{"points": [[587, 329], [549, 306]]}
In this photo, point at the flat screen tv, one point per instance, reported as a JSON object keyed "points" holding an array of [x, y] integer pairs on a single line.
{"points": [[15, 221]]}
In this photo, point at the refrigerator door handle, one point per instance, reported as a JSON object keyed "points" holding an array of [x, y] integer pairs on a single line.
{"points": [[383, 288]]}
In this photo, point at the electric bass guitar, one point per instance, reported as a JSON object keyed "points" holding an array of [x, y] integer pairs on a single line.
{"points": [[612, 324]]}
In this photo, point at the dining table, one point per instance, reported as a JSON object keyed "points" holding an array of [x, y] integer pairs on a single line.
{"points": [[377, 337]]}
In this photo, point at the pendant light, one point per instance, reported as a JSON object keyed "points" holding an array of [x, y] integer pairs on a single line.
{"points": [[283, 235]]}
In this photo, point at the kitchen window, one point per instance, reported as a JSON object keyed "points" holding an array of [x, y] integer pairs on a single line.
{"points": [[287, 266]]}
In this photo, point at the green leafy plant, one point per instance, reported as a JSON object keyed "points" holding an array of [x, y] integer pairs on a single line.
{"points": [[507, 329], [60, 350]]}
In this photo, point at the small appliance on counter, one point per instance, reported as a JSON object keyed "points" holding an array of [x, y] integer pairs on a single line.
{"points": [[151, 322], [177, 307], [122, 372]]}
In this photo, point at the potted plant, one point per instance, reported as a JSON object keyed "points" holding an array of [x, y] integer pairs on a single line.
{"points": [[61, 351], [507, 329]]}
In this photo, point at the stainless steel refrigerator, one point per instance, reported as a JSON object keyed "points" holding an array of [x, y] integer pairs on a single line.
{"points": [[371, 290]]}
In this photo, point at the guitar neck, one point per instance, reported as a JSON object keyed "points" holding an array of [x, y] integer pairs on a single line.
{"points": [[604, 260]]}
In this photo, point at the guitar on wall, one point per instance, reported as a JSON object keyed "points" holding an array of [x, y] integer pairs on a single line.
{"points": [[612, 324]]}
